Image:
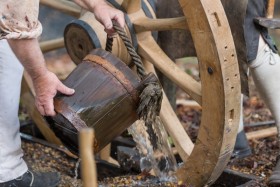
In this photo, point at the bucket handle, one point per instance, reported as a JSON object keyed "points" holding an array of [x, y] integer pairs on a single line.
{"points": [[151, 96], [136, 59]]}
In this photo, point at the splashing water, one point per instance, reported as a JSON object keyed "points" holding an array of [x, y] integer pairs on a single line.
{"points": [[77, 168], [156, 154]]}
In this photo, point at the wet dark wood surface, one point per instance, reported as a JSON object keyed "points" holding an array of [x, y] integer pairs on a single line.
{"points": [[106, 99]]}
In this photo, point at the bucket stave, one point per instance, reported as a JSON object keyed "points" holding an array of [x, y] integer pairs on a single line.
{"points": [[106, 99]]}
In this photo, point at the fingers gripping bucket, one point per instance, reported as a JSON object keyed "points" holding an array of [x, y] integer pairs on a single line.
{"points": [[106, 99]]}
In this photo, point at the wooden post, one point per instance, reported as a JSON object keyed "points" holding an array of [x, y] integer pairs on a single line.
{"points": [[263, 133], [270, 8], [88, 165]]}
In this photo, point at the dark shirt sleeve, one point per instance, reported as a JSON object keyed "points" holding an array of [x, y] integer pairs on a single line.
{"points": [[252, 31]]}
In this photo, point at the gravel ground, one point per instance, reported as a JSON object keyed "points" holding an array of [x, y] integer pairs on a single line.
{"points": [[43, 158]]}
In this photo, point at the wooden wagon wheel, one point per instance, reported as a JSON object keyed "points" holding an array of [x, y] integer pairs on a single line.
{"points": [[218, 91]]}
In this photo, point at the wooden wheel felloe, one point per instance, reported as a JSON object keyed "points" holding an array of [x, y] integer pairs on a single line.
{"points": [[218, 91]]}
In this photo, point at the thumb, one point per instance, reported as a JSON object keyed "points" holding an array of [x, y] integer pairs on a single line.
{"points": [[65, 90]]}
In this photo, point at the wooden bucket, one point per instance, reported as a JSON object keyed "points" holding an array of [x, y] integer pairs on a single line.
{"points": [[106, 98]]}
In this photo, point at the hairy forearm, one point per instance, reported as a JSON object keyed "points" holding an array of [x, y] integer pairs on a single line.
{"points": [[29, 54], [46, 84]]}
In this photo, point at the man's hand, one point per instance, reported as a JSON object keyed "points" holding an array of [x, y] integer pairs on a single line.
{"points": [[46, 86], [104, 13]]}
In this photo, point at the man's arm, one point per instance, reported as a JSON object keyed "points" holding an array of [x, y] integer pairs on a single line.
{"points": [[46, 83], [15, 26]]}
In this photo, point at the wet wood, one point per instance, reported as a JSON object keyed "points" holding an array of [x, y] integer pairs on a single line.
{"points": [[129, 159], [89, 174], [106, 99]]}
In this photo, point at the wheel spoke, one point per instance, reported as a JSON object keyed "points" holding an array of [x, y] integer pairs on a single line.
{"points": [[131, 6], [149, 49], [147, 24]]}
